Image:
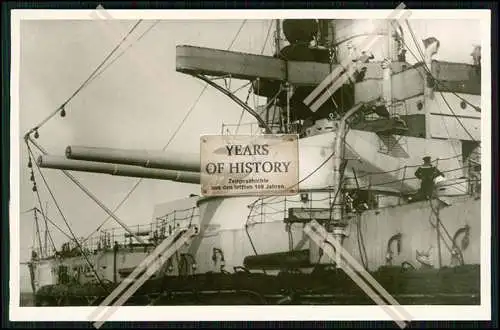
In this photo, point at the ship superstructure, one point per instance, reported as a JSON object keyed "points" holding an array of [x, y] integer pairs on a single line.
{"points": [[366, 118]]}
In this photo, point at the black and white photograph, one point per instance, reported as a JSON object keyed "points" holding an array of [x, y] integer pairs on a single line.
{"points": [[163, 160]]}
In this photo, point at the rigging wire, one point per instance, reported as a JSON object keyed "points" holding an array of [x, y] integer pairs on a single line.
{"points": [[425, 66], [43, 214], [401, 167], [28, 210], [437, 82], [86, 82], [54, 224], [251, 87], [307, 176], [303, 179], [420, 51], [267, 37], [34, 231], [124, 51], [423, 77], [44, 217], [429, 73], [186, 116], [33, 241], [458, 119], [66, 221], [48, 233], [243, 110], [252, 205], [37, 227]]}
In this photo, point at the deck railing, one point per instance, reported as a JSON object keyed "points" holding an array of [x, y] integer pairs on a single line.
{"points": [[275, 208], [153, 232]]}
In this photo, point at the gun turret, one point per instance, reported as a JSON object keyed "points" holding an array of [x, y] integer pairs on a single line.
{"points": [[62, 163], [144, 158]]}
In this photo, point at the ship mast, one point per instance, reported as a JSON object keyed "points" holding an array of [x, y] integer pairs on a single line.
{"points": [[38, 235], [288, 87], [277, 39], [46, 234]]}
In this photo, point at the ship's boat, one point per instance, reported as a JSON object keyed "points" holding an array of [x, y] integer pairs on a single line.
{"points": [[359, 149]]}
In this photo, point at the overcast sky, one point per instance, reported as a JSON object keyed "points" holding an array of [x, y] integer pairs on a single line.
{"points": [[138, 103]]}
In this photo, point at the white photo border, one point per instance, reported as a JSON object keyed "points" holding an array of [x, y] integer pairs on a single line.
{"points": [[247, 313]]}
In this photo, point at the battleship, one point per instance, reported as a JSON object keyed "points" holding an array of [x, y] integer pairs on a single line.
{"points": [[362, 148]]}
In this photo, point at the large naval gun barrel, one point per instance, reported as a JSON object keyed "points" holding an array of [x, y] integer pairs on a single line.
{"points": [[144, 158], [62, 163]]}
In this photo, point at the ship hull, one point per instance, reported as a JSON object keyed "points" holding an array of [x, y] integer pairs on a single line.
{"points": [[414, 268], [446, 286]]}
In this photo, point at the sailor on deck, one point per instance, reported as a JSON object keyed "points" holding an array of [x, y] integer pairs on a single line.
{"points": [[427, 174]]}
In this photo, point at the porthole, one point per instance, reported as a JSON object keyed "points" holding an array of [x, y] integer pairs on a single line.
{"points": [[463, 105], [420, 105]]}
